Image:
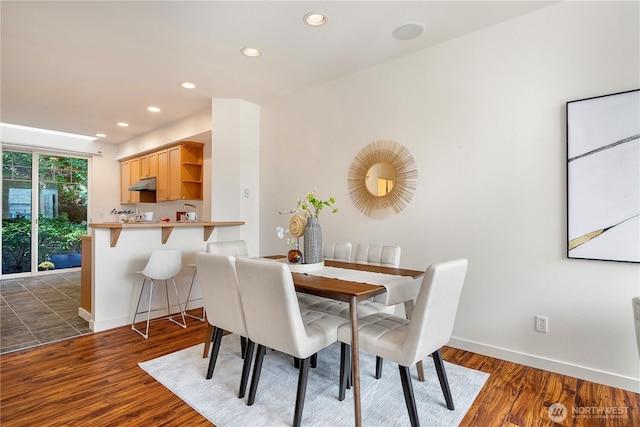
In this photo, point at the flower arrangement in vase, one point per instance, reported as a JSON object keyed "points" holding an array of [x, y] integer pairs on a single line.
{"points": [[305, 222]]}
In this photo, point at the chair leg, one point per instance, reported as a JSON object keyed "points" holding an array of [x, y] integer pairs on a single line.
{"points": [[296, 363], [379, 361], [243, 346], [217, 339], [314, 360], [257, 368], [175, 287], [442, 377], [207, 340], [409, 399], [193, 279], [345, 369], [246, 366], [302, 390], [133, 323]]}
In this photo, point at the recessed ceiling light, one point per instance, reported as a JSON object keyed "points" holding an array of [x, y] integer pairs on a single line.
{"points": [[251, 52], [315, 19], [153, 109], [408, 31], [123, 124], [101, 135], [188, 85]]}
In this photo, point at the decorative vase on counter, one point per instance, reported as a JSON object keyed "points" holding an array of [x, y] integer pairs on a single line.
{"points": [[312, 241]]}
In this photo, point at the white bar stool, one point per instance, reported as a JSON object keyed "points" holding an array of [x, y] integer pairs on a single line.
{"points": [[186, 304], [162, 265]]}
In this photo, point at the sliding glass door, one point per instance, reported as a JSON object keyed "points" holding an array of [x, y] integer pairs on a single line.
{"points": [[43, 232]]}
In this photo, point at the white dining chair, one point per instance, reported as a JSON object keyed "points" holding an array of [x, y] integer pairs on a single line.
{"points": [[236, 248], [383, 255], [340, 251], [407, 342], [162, 265], [221, 295], [331, 252], [274, 320]]}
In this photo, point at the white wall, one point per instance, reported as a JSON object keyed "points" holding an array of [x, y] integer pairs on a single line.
{"points": [[235, 168], [484, 117]]}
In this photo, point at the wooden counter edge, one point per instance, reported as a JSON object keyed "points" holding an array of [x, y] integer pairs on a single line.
{"points": [[167, 227]]}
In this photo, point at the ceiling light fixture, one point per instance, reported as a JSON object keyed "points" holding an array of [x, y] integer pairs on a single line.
{"points": [[101, 135], [408, 31], [188, 85], [251, 52], [123, 124], [153, 109], [315, 19]]}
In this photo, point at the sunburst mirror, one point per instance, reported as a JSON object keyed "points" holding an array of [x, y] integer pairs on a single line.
{"points": [[382, 179]]}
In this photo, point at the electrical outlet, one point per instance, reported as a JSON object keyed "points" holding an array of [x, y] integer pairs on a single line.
{"points": [[542, 323], [246, 193]]}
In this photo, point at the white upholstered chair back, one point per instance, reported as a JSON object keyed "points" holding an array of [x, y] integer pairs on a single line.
{"points": [[220, 292], [382, 255], [337, 251], [271, 307], [163, 264], [386, 256], [435, 311], [237, 248]]}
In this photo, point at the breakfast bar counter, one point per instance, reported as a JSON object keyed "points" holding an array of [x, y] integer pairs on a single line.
{"points": [[166, 227], [120, 250]]}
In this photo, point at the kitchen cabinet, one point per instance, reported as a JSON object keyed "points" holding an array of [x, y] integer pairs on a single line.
{"points": [[129, 174], [149, 165], [173, 174], [178, 170], [162, 180]]}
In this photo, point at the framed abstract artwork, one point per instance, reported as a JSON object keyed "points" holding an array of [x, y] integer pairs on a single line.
{"points": [[603, 177]]}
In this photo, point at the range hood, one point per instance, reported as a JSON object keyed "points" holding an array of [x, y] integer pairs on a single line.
{"points": [[145, 184]]}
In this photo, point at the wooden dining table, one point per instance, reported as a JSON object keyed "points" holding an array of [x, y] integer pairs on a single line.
{"points": [[352, 292]]}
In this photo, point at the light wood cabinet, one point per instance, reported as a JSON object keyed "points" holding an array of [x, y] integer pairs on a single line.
{"points": [[162, 180], [129, 174], [149, 165], [191, 173], [178, 170], [173, 173]]}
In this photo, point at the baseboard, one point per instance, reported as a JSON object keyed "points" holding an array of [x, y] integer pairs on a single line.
{"points": [[85, 314], [556, 366], [157, 313]]}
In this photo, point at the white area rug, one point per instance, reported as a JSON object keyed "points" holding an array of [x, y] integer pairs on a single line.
{"points": [[183, 372]]}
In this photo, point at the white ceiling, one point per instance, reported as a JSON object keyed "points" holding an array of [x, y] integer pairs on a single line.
{"points": [[83, 66]]}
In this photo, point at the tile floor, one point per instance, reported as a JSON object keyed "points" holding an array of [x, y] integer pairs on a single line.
{"points": [[39, 310]]}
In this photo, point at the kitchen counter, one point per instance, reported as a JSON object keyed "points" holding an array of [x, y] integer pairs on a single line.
{"points": [[166, 227], [119, 251]]}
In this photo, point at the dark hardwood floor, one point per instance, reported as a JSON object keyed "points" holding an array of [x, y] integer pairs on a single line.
{"points": [[94, 380]]}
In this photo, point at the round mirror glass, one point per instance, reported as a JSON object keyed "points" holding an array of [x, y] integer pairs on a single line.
{"points": [[380, 179]]}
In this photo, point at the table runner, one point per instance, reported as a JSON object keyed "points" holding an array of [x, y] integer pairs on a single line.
{"points": [[399, 288]]}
